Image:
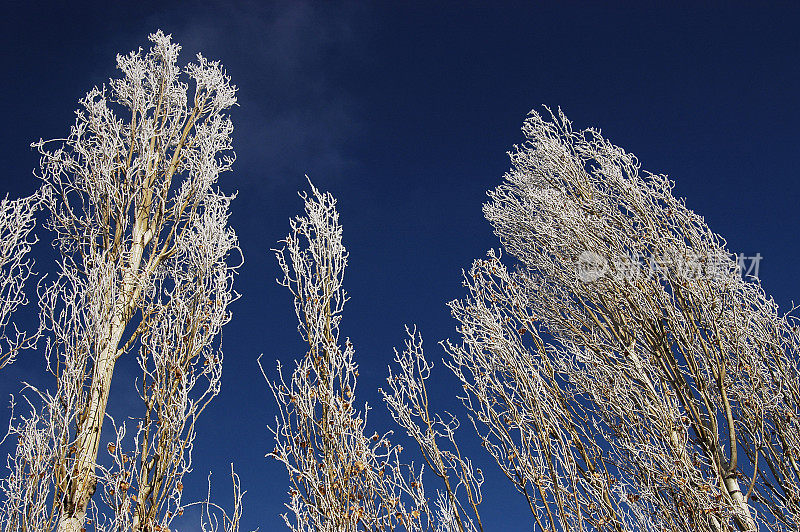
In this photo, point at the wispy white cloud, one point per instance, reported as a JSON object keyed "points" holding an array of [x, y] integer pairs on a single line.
{"points": [[295, 117]]}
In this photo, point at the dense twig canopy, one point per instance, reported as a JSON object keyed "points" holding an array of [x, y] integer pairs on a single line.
{"points": [[626, 374], [673, 378]]}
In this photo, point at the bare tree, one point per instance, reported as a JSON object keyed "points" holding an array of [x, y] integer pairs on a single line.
{"points": [[17, 220], [625, 370], [146, 269], [341, 478], [408, 402]]}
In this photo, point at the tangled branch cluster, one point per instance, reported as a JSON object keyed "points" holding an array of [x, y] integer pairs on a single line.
{"points": [[677, 393], [17, 220]]}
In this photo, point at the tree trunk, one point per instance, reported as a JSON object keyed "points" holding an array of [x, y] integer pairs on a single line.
{"points": [[83, 482], [744, 520]]}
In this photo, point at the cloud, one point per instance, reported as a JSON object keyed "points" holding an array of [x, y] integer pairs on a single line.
{"points": [[285, 57]]}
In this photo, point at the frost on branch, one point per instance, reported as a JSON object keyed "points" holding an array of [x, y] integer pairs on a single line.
{"points": [[146, 269], [17, 220], [341, 478], [407, 399]]}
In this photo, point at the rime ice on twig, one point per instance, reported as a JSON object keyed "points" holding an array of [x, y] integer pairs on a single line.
{"points": [[17, 220], [407, 399]]}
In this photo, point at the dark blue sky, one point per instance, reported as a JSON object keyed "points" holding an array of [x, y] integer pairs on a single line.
{"points": [[405, 112]]}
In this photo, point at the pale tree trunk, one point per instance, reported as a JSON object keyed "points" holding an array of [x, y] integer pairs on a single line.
{"points": [[743, 517], [72, 524], [83, 480]]}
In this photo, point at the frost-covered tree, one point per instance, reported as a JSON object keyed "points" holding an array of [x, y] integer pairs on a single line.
{"points": [[624, 374], [456, 506], [341, 477], [146, 267]]}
